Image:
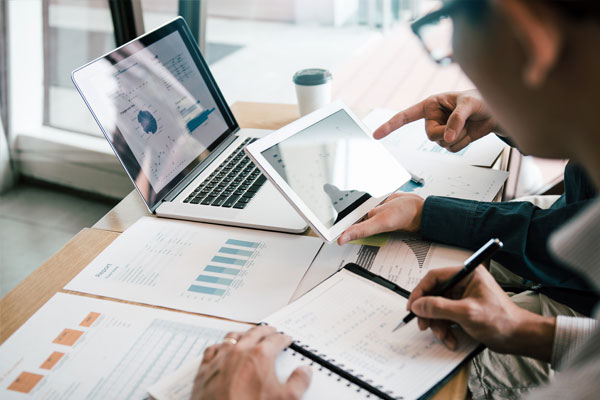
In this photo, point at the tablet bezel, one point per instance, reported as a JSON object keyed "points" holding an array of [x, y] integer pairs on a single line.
{"points": [[254, 151]]}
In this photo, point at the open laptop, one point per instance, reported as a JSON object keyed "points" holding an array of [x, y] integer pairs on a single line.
{"points": [[162, 112]]}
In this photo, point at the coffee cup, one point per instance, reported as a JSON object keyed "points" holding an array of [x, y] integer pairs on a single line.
{"points": [[313, 89]]}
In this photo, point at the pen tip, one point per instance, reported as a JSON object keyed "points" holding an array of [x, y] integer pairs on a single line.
{"points": [[400, 325]]}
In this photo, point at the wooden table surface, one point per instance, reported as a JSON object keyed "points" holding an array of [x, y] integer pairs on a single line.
{"points": [[50, 278]]}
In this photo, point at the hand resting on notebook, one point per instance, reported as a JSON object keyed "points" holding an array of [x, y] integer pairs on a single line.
{"points": [[245, 369], [480, 306]]}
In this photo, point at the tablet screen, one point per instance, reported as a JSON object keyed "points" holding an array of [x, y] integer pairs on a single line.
{"points": [[333, 166]]}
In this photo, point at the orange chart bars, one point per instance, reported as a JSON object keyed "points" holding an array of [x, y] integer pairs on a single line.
{"points": [[68, 337], [52, 360], [25, 382]]}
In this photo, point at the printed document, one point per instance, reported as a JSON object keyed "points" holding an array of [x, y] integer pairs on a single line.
{"points": [[234, 273], [77, 347], [404, 259], [451, 179]]}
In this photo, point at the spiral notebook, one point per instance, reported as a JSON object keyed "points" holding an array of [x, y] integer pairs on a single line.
{"points": [[343, 328]]}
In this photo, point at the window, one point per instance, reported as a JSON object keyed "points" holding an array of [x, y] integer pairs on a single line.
{"points": [[252, 46], [74, 32]]}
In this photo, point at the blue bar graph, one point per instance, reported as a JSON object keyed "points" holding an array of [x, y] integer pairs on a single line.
{"points": [[228, 260], [214, 279], [238, 252], [236, 255], [206, 290], [199, 120], [242, 243], [222, 270]]}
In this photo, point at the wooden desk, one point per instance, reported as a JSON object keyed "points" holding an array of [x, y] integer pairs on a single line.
{"points": [[24, 300]]}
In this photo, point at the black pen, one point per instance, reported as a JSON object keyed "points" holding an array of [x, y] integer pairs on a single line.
{"points": [[480, 256]]}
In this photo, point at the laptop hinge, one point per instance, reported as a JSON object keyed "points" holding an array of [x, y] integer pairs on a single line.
{"points": [[199, 168]]}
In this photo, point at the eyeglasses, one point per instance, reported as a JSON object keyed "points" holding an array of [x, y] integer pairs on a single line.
{"points": [[435, 31]]}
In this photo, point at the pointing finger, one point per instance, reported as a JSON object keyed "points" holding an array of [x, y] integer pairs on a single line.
{"points": [[411, 114]]}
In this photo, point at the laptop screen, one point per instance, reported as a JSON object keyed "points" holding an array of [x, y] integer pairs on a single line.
{"points": [[158, 106]]}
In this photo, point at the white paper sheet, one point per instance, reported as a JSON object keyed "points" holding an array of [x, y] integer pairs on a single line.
{"points": [[78, 347], [179, 384], [229, 272], [404, 260], [451, 179], [349, 320], [411, 139]]}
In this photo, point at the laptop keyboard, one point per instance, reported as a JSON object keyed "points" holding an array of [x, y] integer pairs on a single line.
{"points": [[232, 185]]}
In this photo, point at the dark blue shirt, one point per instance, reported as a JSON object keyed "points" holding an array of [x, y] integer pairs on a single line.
{"points": [[524, 229]]}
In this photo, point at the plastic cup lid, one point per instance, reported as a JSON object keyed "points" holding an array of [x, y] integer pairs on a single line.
{"points": [[312, 77]]}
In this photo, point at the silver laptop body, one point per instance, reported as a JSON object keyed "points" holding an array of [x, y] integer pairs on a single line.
{"points": [[163, 114]]}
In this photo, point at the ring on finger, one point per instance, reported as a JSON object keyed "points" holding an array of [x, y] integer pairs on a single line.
{"points": [[230, 340]]}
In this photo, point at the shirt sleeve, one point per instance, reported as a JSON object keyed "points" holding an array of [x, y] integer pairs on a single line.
{"points": [[523, 228], [570, 334]]}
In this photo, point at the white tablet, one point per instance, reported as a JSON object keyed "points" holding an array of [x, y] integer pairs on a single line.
{"points": [[329, 168]]}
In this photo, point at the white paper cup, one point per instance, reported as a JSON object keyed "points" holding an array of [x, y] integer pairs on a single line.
{"points": [[313, 89]]}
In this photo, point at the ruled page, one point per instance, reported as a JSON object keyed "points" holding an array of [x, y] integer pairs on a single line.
{"points": [[349, 320]]}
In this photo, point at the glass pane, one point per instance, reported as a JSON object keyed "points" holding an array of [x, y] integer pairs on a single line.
{"points": [[75, 32], [157, 12], [254, 47]]}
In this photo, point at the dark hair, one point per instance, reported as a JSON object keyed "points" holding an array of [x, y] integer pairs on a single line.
{"points": [[576, 9], [579, 9]]}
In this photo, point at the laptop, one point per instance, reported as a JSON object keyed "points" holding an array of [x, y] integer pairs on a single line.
{"points": [[163, 114]]}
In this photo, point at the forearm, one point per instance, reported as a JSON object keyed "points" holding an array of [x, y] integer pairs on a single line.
{"points": [[523, 228], [533, 337]]}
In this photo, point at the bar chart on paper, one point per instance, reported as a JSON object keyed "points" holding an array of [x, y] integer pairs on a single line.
{"points": [[228, 272], [84, 348], [227, 268]]}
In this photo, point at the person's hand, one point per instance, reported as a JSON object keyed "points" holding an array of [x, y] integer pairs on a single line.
{"points": [[246, 369], [453, 119], [400, 211], [484, 311]]}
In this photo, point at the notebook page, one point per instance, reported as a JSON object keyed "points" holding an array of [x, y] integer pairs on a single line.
{"points": [[324, 384], [349, 320]]}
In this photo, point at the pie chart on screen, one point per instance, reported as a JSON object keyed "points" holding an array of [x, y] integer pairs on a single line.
{"points": [[147, 121]]}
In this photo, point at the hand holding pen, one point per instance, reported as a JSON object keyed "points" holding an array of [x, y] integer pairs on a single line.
{"points": [[480, 256], [484, 311]]}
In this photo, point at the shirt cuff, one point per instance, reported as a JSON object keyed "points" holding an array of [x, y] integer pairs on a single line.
{"points": [[570, 334], [447, 220]]}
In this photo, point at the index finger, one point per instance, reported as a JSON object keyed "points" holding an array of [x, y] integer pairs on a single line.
{"points": [[429, 282], [273, 344], [254, 335], [404, 117]]}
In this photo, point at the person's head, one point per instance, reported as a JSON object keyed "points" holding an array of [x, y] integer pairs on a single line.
{"points": [[537, 64]]}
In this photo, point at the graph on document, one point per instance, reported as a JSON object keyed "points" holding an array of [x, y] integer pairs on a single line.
{"points": [[226, 270], [160, 349], [404, 259]]}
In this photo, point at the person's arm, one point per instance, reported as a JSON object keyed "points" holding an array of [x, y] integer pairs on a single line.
{"points": [[523, 228]]}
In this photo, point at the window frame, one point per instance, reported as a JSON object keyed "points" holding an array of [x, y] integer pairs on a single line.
{"points": [[55, 155]]}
